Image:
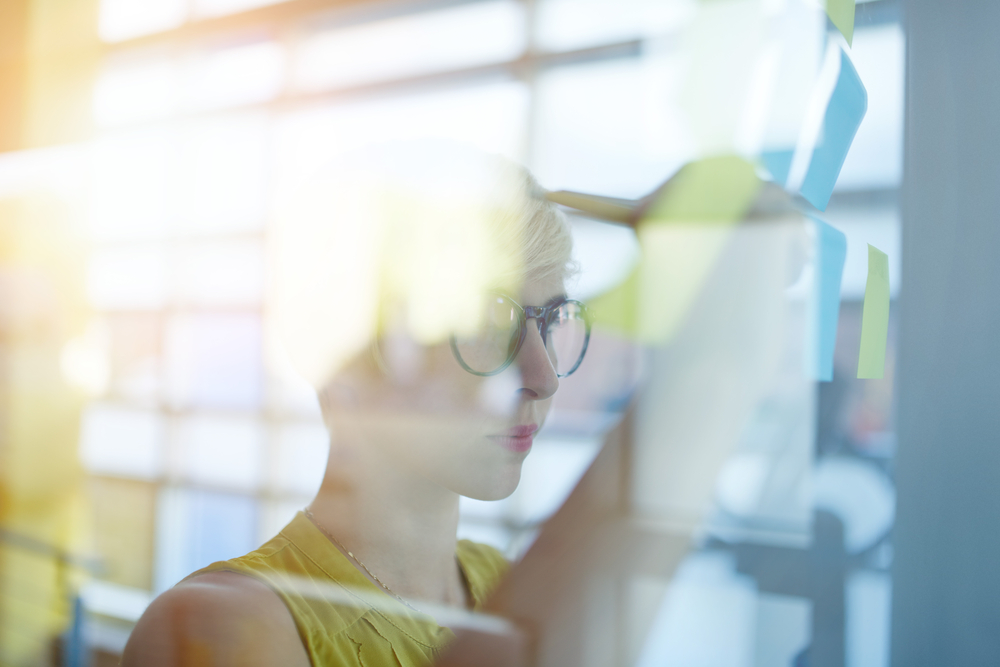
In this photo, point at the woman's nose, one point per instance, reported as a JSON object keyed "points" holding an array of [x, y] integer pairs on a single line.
{"points": [[538, 377]]}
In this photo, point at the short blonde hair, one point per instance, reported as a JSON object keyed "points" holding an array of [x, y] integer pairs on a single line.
{"points": [[417, 228]]}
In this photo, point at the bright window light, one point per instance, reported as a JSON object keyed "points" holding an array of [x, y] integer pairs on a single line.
{"points": [[612, 128], [226, 273], [459, 37], [221, 451], [243, 74], [214, 361], [206, 8], [564, 25], [136, 88], [122, 441], [128, 278], [222, 186], [124, 19], [132, 179], [490, 117], [301, 458]]}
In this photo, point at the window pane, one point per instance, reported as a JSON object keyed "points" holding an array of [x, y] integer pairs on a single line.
{"points": [[301, 458], [134, 352], [122, 512], [135, 87], [128, 278], [131, 192], [122, 441], [610, 128], [241, 74], [205, 8], [489, 117], [575, 24], [230, 273], [222, 184], [196, 528], [214, 361], [124, 19], [466, 36], [221, 451]]}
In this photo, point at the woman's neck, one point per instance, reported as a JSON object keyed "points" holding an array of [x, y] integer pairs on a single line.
{"points": [[400, 525]]}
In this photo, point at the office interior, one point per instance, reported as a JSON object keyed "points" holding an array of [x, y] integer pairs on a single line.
{"points": [[150, 425]]}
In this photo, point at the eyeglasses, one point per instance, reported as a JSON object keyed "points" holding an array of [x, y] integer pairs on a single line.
{"points": [[564, 325]]}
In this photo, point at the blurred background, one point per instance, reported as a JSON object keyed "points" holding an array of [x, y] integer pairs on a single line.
{"points": [[148, 426]]}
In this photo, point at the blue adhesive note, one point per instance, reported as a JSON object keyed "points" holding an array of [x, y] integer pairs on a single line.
{"points": [[824, 303], [844, 113], [779, 163]]}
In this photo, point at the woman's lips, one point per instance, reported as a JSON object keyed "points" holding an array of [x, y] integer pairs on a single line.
{"points": [[517, 438]]}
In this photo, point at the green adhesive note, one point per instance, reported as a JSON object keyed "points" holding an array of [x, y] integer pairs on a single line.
{"points": [[875, 317], [716, 189], [841, 13], [681, 236]]}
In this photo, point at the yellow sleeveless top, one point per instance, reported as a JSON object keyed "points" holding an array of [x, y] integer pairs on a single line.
{"points": [[342, 617]]}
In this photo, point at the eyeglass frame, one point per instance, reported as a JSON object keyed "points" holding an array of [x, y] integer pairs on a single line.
{"points": [[542, 316]]}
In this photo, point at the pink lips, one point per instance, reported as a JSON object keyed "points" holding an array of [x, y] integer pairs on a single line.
{"points": [[517, 438]]}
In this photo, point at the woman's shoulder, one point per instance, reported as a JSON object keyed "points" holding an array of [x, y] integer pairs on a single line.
{"points": [[484, 567], [217, 618]]}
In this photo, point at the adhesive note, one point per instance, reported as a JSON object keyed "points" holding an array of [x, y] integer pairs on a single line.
{"points": [[681, 236], [830, 251], [875, 317], [844, 113], [716, 189], [779, 163], [841, 13]]}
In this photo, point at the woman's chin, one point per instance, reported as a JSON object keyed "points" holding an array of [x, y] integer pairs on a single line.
{"points": [[496, 487]]}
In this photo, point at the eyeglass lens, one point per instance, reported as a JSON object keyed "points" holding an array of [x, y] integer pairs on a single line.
{"points": [[490, 347]]}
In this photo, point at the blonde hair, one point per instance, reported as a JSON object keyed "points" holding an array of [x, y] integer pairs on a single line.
{"points": [[419, 229]]}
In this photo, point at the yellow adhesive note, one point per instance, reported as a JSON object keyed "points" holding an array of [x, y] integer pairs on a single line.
{"points": [[875, 317], [681, 236], [841, 13], [716, 189]]}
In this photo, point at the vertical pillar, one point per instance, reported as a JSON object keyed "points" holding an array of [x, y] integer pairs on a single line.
{"points": [[946, 598]]}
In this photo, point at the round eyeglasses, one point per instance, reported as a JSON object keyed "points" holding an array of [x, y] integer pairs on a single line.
{"points": [[563, 324]]}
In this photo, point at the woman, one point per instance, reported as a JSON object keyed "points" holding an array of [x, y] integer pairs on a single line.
{"points": [[464, 352]]}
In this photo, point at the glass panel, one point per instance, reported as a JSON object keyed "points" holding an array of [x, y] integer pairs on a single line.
{"points": [[134, 87], [222, 187], [489, 117], [575, 24], [122, 512], [196, 528], [459, 37], [134, 352], [230, 273], [122, 441], [301, 458], [605, 254], [214, 361], [131, 185], [124, 19], [125, 278], [610, 128], [275, 515], [875, 159], [220, 451], [549, 474], [241, 74], [205, 8]]}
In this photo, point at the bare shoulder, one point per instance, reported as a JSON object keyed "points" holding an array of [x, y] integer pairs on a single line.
{"points": [[218, 619]]}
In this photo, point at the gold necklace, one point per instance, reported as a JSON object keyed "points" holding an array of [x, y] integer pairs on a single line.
{"points": [[312, 517]]}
